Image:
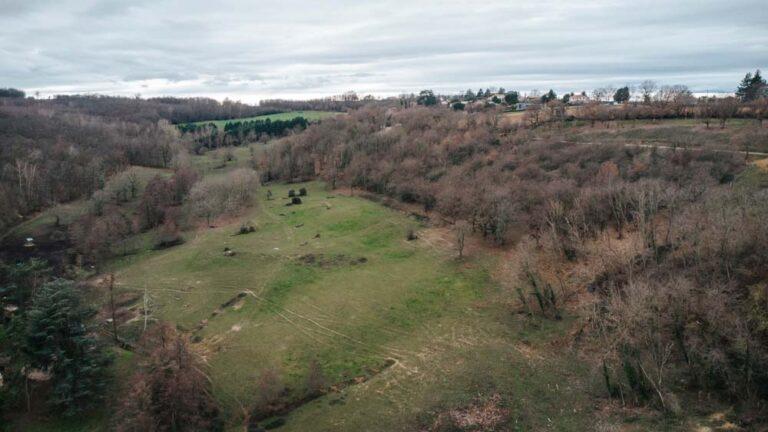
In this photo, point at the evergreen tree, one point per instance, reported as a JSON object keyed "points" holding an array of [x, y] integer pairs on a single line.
{"points": [[426, 98], [741, 91], [549, 96], [621, 95], [59, 343], [512, 98], [751, 87]]}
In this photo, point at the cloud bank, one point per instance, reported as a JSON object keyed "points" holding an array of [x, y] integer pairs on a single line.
{"points": [[252, 50]]}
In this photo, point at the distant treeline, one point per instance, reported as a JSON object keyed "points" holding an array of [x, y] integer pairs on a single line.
{"points": [[325, 104], [236, 133], [138, 110], [175, 110]]}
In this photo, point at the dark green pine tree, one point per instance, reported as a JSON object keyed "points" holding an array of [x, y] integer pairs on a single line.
{"points": [[622, 95], [751, 87], [741, 91], [59, 343], [757, 87], [549, 96]]}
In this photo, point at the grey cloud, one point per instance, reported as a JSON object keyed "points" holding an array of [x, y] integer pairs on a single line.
{"points": [[292, 48]]}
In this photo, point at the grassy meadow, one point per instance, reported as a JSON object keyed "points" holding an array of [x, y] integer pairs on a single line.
{"points": [[403, 329], [309, 115]]}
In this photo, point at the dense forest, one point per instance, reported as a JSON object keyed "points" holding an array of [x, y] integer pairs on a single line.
{"points": [[236, 133]]}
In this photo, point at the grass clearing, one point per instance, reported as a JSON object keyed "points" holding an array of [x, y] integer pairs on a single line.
{"points": [[365, 298]]}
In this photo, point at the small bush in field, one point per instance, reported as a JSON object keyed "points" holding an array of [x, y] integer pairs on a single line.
{"points": [[303, 192], [291, 193], [295, 200], [246, 228]]}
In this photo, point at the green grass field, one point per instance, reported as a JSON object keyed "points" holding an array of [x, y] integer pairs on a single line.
{"points": [[370, 297], [309, 115]]}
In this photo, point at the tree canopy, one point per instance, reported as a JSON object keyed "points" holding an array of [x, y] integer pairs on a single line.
{"points": [[752, 87], [512, 98], [58, 343], [621, 95], [549, 96], [426, 98], [11, 93]]}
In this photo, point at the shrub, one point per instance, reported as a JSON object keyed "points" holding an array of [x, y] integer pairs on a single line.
{"points": [[291, 193], [295, 200], [168, 240], [246, 228], [274, 424], [212, 197], [171, 390], [303, 192]]}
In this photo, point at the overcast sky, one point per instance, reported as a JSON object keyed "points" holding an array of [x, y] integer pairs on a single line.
{"points": [[252, 50]]}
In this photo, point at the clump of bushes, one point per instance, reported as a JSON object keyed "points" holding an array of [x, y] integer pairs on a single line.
{"points": [[246, 228], [685, 319], [295, 200], [168, 236], [291, 193], [303, 192], [230, 194]]}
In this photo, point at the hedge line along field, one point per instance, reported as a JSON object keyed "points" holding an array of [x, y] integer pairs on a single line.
{"points": [[392, 323], [309, 115]]}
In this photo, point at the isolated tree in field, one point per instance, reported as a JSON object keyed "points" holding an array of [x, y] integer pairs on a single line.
{"points": [[59, 343], [171, 391], [462, 229], [705, 110], [512, 98], [648, 88], [621, 95], [426, 98], [725, 109]]}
